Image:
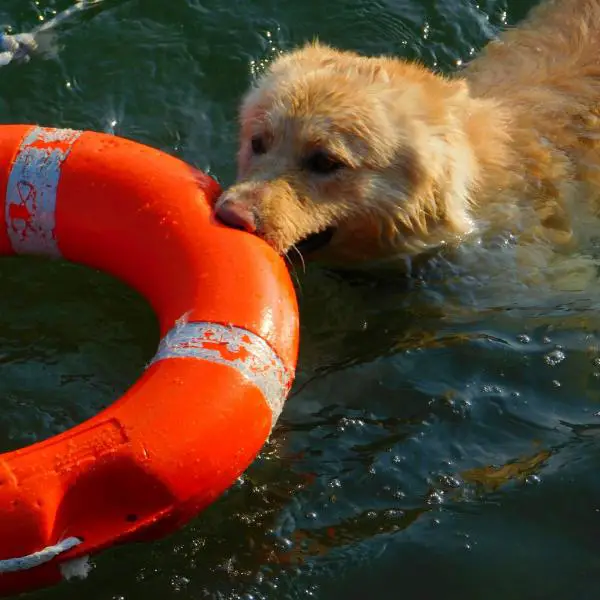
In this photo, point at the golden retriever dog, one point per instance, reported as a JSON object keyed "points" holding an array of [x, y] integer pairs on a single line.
{"points": [[355, 160]]}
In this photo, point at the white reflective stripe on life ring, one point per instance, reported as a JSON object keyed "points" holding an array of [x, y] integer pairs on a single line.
{"points": [[30, 207], [235, 347]]}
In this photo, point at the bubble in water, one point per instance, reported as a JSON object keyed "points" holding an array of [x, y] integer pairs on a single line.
{"points": [[435, 497], [555, 357], [450, 481], [491, 389], [523, 338], [284, 544], [179, 582]]}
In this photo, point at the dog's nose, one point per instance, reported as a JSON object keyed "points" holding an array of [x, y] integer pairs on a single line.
{"points": [[237, 216]]}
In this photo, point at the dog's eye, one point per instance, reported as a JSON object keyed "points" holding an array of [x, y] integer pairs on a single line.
{"points": [[322, 162], [258, 145]]}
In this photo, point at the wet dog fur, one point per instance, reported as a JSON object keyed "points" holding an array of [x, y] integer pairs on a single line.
{"points": [[356, 161]]}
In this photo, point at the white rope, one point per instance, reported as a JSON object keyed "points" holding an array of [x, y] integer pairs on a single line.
{"points": [[20, 46], [22, 563], [65, 14], [16, 47]]}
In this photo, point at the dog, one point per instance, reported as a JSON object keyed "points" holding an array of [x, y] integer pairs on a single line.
{"points": [[354, 160]]}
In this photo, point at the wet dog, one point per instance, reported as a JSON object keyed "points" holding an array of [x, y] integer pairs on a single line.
{"points": [[355, 160]]}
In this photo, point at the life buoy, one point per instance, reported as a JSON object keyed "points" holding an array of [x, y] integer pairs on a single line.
{"points": [[204, 406]]}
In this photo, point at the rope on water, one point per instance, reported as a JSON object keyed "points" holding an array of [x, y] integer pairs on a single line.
{"points": [[22, 563], [20, 46]]}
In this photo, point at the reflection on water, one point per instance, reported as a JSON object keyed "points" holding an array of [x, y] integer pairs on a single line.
{"points": [[441, 438], [71, 341]]}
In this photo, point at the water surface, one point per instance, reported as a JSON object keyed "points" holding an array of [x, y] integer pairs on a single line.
{"points": [[443, 434]]}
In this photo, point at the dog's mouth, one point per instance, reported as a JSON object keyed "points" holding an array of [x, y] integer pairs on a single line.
{"points": [[315, 241]]}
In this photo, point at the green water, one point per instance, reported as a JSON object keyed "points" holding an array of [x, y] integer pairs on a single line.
{"points": [[442, 437]]}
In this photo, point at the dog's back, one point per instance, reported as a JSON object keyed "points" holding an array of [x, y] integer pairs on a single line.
{"points": [[557, 48], [547, 70]]}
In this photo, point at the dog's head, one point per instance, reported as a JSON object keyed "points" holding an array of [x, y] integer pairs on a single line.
{"points": [[351, 159]]}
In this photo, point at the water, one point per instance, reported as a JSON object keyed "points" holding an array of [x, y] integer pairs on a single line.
{"points": [[442, 436]]}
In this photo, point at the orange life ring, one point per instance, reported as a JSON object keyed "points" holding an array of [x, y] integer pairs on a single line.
{"points": [[205, 405]]}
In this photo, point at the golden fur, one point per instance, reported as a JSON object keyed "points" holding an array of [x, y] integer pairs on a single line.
{"points": [[409, 159]]}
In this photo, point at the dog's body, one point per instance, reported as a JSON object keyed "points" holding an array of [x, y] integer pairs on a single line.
{"points": [[371, 158]]}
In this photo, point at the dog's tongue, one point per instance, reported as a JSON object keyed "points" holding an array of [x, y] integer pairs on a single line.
{"points": [[315, 241]]}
